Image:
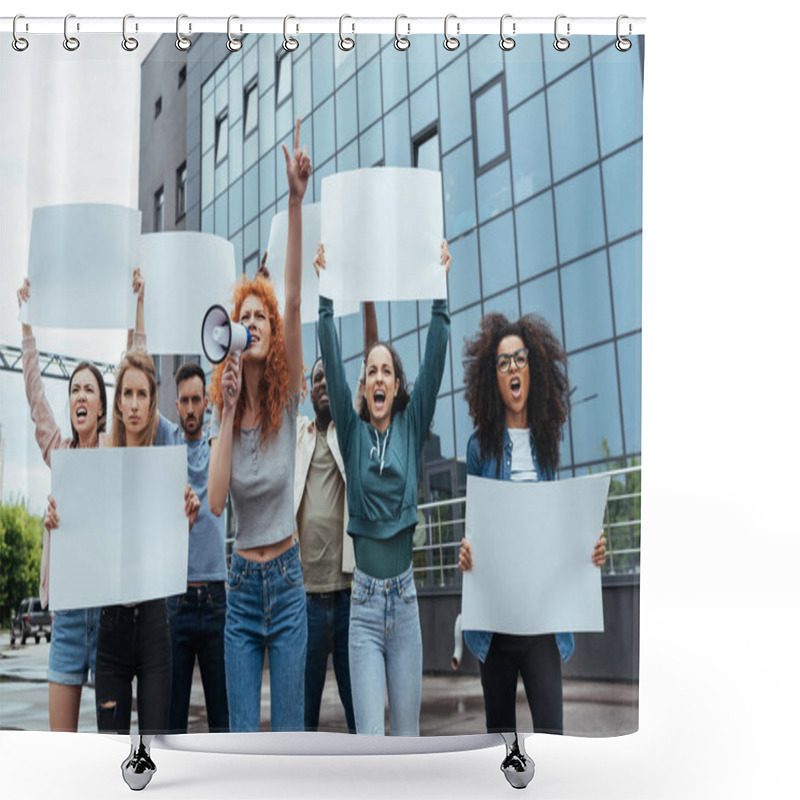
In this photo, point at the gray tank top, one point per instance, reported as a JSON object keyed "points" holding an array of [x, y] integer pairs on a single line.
{"points": [[262, 480]]}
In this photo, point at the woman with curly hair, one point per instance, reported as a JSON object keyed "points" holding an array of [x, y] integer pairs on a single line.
{"points": [[518, 398], [253, 434]]}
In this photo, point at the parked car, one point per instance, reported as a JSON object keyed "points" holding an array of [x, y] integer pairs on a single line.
{"points": [[31, 620]]}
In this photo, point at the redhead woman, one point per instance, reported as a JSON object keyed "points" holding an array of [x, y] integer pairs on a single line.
{"points": [[517, 393], [381, 445], [253, 435], [74, 638]]}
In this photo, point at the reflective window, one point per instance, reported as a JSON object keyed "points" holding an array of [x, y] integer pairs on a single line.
{"points": [[208, 124], [630, 374], [221, 138], [458, 184], [238, 259], [250, 109], [322, 68], [541, 297], [284, 125], [346, 114], [421, 60], [498, 258], [324, 132], [595, 404], [626, 280], [367, 46], [464, 426], [369, 93], [536, 236], [506, 304], [371, 146], [283, 71], [251, 194], [573, 133], [158, 211], [404, 316], [180, 191], [235, 218], [249, 59], [235, 151], [207, 220], [455, 123], [328, 168], [352, 371], [424, 107], [587, 304], [579, 215], [463, 326], [524, 72], [264, 225], [266, 121], [464, 277], [344, 64], [426, 151], [302, 85], [489, 114], [221, 177], [485, 61], [251, 264], [443, 426], [221, 215], [557, 63], [251, 239], [236, 92], [207, 179], [347, 159], [494, 191], [565, 452], [530, 162], [352, 335], [266, 60], [267, 179], [394, 77], [309, 333], [622, 183], [395, 134], [407, 348]]}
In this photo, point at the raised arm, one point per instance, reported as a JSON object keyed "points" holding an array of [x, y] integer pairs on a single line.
{"points": [[136, 336], [221, 434], [370, 326], [298, 169]]}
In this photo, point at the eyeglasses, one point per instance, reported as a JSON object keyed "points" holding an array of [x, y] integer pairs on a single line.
{"points": [[520, 359]]}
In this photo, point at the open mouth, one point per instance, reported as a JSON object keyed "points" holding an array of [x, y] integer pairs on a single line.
{"points": [[81, 413], [516, 387], [379, 398]]}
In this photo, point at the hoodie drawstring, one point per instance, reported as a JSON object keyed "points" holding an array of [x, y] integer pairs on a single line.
{"points": [[378, 449]]}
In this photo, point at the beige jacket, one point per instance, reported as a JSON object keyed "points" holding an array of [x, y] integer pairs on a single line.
{"points": [[306, 440]]}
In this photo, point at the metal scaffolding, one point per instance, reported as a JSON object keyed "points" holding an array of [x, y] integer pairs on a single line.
{"points": [[51, 365]]}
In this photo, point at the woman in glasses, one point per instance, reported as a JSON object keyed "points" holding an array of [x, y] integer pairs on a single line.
{"points": [[518, 399]]}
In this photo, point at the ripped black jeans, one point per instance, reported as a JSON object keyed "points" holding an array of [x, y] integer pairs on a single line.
{"points": [[133, 641]]}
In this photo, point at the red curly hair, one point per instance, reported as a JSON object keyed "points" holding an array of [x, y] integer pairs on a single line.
{"points": [[274, 385]]}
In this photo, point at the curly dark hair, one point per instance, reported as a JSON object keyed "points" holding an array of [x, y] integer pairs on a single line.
{"points": [[548, 398], [402, 398]]}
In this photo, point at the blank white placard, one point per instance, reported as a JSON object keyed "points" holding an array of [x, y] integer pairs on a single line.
{"points": [[185, 273], [531, 552], [80, 266], [276, 263], [123, 536], [382, 231]]}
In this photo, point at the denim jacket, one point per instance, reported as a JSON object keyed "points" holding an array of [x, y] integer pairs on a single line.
{"points": [[479, 641]]}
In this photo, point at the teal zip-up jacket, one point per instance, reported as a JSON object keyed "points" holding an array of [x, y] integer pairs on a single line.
{"points": [[382, 469]]}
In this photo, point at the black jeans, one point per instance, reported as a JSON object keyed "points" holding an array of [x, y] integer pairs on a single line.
{"points": [[537, 659], [133, 641], [197, 630]]}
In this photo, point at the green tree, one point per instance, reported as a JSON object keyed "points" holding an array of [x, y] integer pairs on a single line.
{"points": [[20, 554]]}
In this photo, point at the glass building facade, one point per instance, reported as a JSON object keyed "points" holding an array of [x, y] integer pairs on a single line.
{"points": [[540, 153]]}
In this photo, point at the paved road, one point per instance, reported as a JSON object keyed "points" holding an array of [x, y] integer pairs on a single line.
{"points": [[451, 704]]}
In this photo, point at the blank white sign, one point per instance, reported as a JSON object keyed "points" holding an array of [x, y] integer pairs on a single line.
{"points": [[532, 555], [123, 536]]}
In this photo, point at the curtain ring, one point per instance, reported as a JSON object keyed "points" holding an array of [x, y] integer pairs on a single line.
{"points": [[506, 42], [289, 43], [233, 44], [128, 42], [345, 42], [451, 42], [401, 42], [561, 43], [623, 45], [70, 42], [19, 43], [181, 42]]}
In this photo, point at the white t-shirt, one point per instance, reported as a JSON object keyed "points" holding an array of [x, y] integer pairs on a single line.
{"points": [[522, 466]]}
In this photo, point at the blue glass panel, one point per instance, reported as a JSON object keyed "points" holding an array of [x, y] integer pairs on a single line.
{"points": [[494, 191], [267, 179], [587, 302], [371, 146], [565, 453], [302, 85], [407, 348], [541, 297], [394, 76], [579, 215], [324, 137], [322, 68], [404, 316], [367, 45], [463, 425], [328, 168], [463, 326], [629, 350], [221, 92], [524, 71], [455, 122], [352, 371], [464, 277], [626, 280], [397, 137], [595, 404], [573, 133], [221, 177], [498, 258], [284, 124], [344, 65], [506, 304], [458, 184], [382, 316], [443, 426], [490, 132], [266, 121], [235, 218], [309, 333], [251, 240], [250, 150], [346, 114], [428, 153], [266, 61], [352, 335], [264, 225], [236, 241], [207, 178], [235, 88], [485, 61], [235, 151], [369, 94], [557, 63], [618, 89], [536, 235], [209, 119], [221, 216], [424, 107], [207, 220], [251, 194], [421, 59], [249, 59], [622, 182], [347, 159]]}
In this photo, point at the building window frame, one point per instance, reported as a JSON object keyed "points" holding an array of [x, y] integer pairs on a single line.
{"points": [[159, 208], [220, 126], [182, 76], [283, 61], [422, 138], [158, 105], [180, 192], [500, 79], [250, 105]]}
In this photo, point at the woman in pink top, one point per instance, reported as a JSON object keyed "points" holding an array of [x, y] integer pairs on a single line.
{"points": [[74, 637]]}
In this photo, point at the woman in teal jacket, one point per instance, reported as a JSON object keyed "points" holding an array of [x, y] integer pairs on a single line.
{"points": [[381, 445]]}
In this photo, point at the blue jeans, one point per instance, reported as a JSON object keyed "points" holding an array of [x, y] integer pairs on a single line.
{"points": [[73, 646], [385, 652], [328, 624], [266, 609], [197, 630]]}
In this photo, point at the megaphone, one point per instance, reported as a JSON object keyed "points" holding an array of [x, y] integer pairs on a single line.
{"points": [[220, 335]]}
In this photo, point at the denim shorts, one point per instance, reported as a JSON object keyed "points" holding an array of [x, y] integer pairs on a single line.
{"points": [[73, 646]]}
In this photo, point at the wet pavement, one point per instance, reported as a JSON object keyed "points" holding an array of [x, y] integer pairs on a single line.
{"points": [[451, 704]]}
